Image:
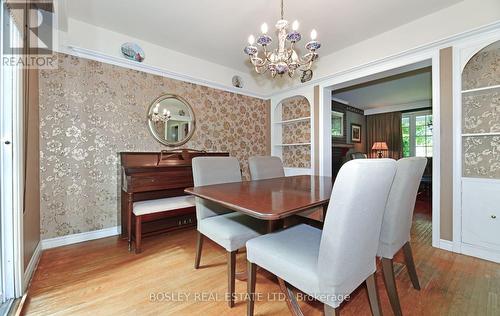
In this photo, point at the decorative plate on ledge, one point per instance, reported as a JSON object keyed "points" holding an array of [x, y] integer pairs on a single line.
{"points": [[133, 51]]}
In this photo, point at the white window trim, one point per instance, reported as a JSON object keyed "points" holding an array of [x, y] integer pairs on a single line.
{"points": [[412, 116]]}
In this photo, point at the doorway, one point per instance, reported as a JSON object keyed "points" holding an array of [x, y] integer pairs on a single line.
{"points": [[371, 77]]}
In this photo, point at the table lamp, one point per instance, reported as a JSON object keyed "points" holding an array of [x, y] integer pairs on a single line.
{"points": [[380, 146]]}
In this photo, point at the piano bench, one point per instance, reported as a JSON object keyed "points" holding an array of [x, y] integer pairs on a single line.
{"points": [[151, 210]]}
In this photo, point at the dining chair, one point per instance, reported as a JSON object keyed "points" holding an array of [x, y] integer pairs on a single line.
{"points": [[265, 167], [230, 230], [396, 224], [330, 264]]}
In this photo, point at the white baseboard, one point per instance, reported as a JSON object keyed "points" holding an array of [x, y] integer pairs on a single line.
{"points": [[31, 268], [481, 252], [445, 245], [470, 250], [80, 237]]}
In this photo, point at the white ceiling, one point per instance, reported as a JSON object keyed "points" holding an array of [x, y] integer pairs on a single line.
{"points": [[217, 30], [401, 89]]}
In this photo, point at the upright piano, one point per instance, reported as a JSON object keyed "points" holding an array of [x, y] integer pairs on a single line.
{"points": [[155, 175]]}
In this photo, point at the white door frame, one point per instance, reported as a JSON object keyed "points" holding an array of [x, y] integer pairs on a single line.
{"points": [[11, 173], [384, 68]]}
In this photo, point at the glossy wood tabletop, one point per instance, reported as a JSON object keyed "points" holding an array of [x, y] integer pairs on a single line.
{"points": [[269, 199]]}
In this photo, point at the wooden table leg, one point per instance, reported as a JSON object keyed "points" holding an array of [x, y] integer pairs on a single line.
{"points": [[274, 225]]}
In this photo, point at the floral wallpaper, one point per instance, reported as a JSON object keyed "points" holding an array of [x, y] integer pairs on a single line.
{"points": [[481, 114], [481, 157], [297, 156], [296, 132], [91, 111], [483, 69], [295, 107]]}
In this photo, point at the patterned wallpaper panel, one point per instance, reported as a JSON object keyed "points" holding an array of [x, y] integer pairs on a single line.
{"points": [[483, 69], [296, 132], [90, 111], [481, 111], [481, 157], [295, 107], [297, 156], [481, 114]]}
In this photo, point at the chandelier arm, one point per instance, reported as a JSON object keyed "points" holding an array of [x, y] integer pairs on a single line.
{"points": [[258, 69], [303, 60]]}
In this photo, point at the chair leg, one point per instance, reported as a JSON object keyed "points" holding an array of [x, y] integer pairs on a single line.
{"points": [[331, 311], [138, 234], [252, 279], [390, 285], [199, 246], [290, 299], [371, 286], [231, 276], [410, 266]]}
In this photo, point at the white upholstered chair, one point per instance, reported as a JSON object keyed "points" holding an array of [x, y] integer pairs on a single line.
{"points": [[396, 225], [265, 167], [229, 229], [330, 264]]}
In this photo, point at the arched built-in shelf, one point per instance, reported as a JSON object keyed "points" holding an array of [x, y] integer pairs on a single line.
{"points": [[292, 134]]}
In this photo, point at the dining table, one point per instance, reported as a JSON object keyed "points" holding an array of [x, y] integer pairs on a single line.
{"points": [[271, 200]]}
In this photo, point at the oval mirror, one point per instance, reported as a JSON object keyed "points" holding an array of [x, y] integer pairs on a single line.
{"points": [[171, 120]]}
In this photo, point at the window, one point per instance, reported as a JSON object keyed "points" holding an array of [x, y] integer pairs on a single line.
{"points": [[337, 124], [417, 134]]}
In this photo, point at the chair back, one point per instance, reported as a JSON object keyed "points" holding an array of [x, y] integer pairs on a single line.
{"points": [[351, 231], [265, 167], [213, 170], [398, 215], [359, 155]]}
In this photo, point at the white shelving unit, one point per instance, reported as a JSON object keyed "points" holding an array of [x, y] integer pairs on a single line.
{"points": [[300, 119], [279, 124], [476, 199]]}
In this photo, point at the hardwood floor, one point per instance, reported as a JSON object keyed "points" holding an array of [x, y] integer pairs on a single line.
{"points": [[102, 278]]}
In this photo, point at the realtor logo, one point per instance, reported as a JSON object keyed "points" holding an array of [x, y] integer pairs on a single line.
{"points": [[30, 46]]}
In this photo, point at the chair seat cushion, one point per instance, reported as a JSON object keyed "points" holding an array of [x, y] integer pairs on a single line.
{"points": [[231, 230], [290, 254], [162, 205]]}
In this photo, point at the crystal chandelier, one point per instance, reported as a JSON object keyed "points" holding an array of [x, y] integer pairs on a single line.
{"points": [[282, 59], [157, 117]]}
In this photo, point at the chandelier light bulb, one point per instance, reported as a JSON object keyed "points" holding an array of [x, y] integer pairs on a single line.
{"points": [[164, 111], [251, 39], [314, 34], [295, 25], [264, 28]]}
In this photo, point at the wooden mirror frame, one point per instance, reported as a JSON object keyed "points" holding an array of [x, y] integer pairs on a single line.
{"points": [[152, 128]]}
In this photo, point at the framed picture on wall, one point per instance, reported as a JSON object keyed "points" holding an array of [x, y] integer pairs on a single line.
{"points": [[355, 133]]}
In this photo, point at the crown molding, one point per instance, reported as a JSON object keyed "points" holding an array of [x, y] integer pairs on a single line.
{"points": [[129, 64], [442, 43]]}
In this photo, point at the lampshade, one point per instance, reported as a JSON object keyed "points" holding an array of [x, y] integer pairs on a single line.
{"points": [[380, 146]]}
